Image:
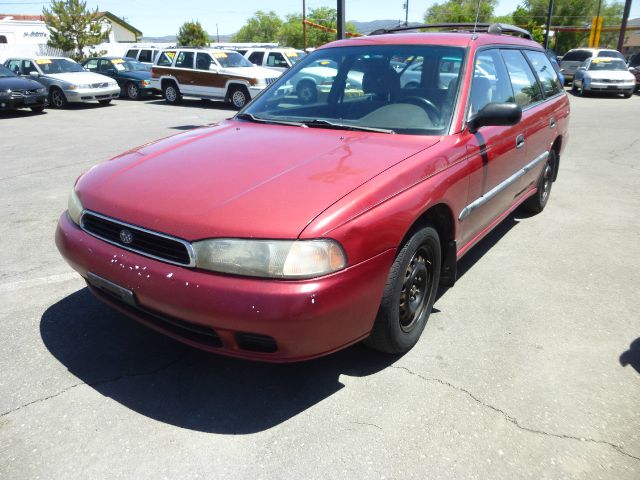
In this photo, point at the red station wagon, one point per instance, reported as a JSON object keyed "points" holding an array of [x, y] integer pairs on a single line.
{"points": [[296, 229]]}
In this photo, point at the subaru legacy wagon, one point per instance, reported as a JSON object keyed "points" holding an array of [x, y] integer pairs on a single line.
{"points": [[297, 228]]}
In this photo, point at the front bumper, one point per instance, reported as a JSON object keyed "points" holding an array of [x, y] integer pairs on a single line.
{"points": [[307, 318], [92, 94], [23, 102], [609, 87]]}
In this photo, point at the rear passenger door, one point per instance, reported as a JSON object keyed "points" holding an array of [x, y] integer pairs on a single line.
{"points": [[495, 153]]}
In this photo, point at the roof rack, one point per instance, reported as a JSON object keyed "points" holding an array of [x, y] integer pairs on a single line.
{"points": [[494, 28]]}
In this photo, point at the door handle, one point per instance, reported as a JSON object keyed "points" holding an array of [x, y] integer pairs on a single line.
{"points": [[552, 123], [520, 141]]}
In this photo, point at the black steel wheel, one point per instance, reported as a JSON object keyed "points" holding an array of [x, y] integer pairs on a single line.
{"points": [[409, 294], [537, 202]]}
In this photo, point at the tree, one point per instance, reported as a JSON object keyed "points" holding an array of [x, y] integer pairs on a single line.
{"points": [[262, 27], [291, 32], [191, 34], [460, 11], [72, 27]]}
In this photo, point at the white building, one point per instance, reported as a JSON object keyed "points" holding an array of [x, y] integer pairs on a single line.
{"points": [[22, 29]]}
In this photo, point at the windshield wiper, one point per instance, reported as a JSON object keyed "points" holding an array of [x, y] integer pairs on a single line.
{"points": [[342, 126], [253, 118]]}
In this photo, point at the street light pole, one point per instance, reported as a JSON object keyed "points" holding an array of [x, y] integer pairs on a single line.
{"points": [[341, 24], [406, 16], [623, 26], [546, 35]]}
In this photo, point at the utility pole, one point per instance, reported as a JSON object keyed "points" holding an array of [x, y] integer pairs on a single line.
{"points": [[217, 34], [623, 26], [546, 35], [406, 16], [304, 25], [341, 25]]}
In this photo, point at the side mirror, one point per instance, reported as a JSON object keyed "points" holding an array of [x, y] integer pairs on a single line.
{"points": [[213, 68], [498, 114], [34, 74]]}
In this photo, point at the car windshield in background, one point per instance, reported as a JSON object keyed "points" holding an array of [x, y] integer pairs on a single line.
{"points": [[295, 56], [366, 88], [123, 65], [58, 65], [232, 60], [577, 56], [5, 72], [607, 64]]}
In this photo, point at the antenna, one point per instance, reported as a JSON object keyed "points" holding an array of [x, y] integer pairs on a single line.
{"points": [[477, 15]]}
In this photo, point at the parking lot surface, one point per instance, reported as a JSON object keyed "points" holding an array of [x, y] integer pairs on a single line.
{"points": [[528, 368]]}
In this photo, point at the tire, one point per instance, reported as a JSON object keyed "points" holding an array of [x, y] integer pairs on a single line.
{"points": [[38, 109], [537, 202], [239, 97], [171, 93], [628, 95], [132, 91], [409, 294], [57, 98], [104, 102], [307, 91]]}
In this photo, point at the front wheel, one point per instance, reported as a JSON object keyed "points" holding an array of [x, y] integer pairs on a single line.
{"points": [[133, 91], [57, 98], [104, 102], [171, 93], [307, 92], [38, 109], [239, 97], [409, 294], [538, 201], [628, 94]]}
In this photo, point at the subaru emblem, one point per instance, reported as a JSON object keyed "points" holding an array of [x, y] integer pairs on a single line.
{"points": [[126, 236]]}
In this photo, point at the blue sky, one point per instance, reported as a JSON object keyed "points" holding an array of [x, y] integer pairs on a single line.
{"points": [[164, 17]]}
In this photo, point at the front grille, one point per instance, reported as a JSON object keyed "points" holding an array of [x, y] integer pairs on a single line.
{"points": [[607, 80], [23, 93], [145, 242], [271, 80], [99, 85]]}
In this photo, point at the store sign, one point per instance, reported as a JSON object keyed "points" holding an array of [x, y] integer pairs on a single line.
{"points": [[35, 34]]}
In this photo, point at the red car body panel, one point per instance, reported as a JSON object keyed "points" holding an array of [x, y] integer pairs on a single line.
{"points": [[364, 190]]}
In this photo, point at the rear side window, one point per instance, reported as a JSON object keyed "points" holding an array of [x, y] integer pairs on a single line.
{"points": [[166, 59], [132, 53], [490, 82], [256, 58], [577, 56], [526, 89], [92, 64], [611, 54], [276, 59], [546, 73], [3, 39], [145, 56], [14, 66], [184, 60]]}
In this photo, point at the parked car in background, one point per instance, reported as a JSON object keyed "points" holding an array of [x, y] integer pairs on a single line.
{"points": [[294, 229], [133, 77], [279, 59], [16, 92], [65, 80], [576, 57], [553, 58], [209, 73], [606, 75], [146, 55]]}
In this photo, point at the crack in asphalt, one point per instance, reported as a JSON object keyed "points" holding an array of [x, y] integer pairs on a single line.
{"points": [[511, 419], [156, 370], [368, 424]]}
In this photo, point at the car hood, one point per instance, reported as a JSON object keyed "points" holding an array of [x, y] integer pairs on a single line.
{"points": [[17, 83], [80, 78], [251, 72], [610, 75], [240, 179]]}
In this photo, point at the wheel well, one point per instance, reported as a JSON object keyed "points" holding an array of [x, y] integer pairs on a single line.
{"points": [[556, 147], [167, 81], [232, 87], [440, 217]]}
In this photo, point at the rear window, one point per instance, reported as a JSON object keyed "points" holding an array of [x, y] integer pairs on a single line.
{"points": [[145, 56], [577, 56], [546, 73], [611, 54], [526, 89]]}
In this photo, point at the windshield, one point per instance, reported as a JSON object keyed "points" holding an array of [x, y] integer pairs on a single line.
{"points": [[231, 60], [5, 72], [123, 65], [607, 64], [367, 87], [58, 65], [295, 56]]}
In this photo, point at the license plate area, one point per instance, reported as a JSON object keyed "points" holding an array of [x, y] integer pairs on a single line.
{"points": [[30, 100], [110, 288]]}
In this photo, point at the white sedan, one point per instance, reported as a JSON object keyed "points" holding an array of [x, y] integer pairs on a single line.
{"points": [[602, 74]]}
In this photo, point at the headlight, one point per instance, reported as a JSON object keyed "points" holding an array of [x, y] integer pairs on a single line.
{"points": [[270, 258], [74, 207], [41, 90], [5, 94], [76, 87]]}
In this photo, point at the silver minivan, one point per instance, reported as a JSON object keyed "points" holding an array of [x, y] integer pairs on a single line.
{"points": [[575, 57]]}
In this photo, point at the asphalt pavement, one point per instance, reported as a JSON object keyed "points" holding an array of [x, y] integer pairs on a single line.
{"points": [[528, 368]]}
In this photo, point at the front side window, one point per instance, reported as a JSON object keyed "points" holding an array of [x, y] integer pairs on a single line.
{"points": [[256, 58], [359, 88], [132, 53], [546, 73], [526, 89], [14, 66], [91, 65], [275, 59], [490, 82], [145, 56], [203, 61], [166, 58]]}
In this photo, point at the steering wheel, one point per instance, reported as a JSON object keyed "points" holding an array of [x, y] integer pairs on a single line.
{"points": [[433, 112]]}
